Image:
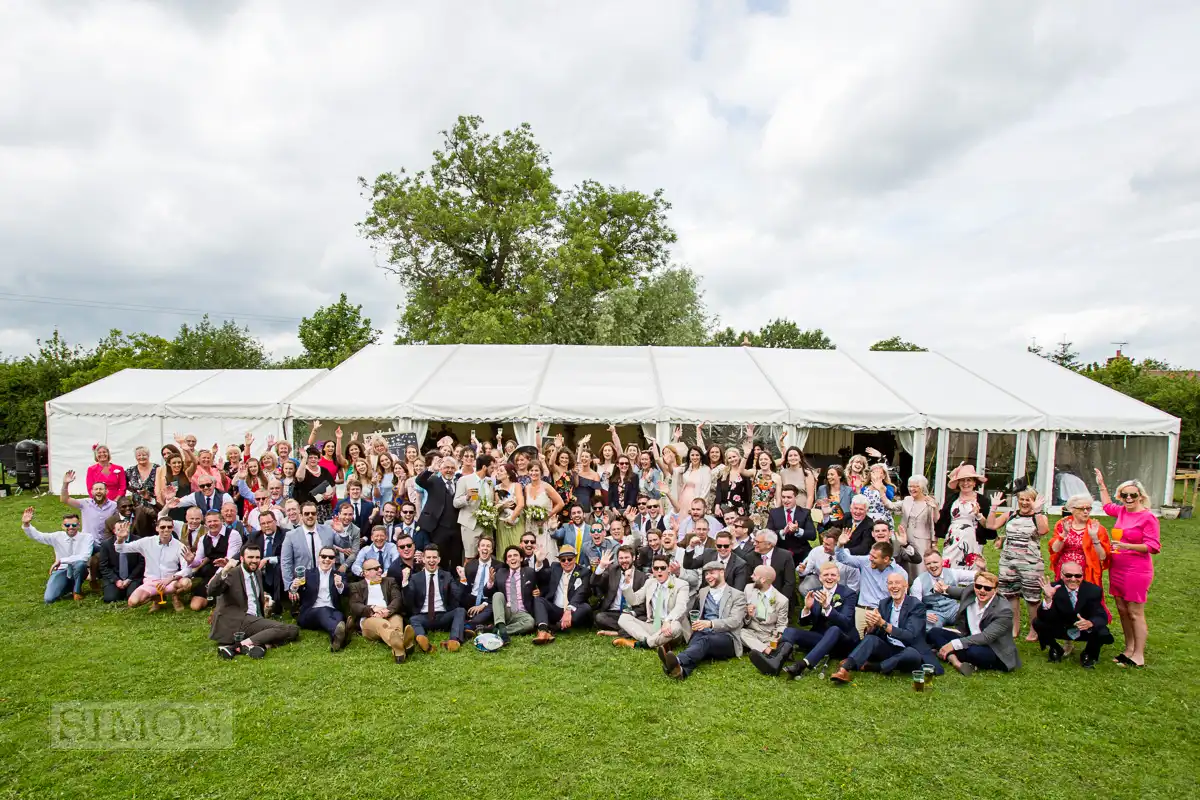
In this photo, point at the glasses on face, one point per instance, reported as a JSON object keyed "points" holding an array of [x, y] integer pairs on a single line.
{"points": [[528, 541], [309, 513], [654, 507], [326, 558], [262, 498], [372, 569], [1068, 576], [206, 486], [1128, 496], [408, 512], [408, 546], [723, 546], [566, 559], [983, 587], [71, 525], [659, 568]]}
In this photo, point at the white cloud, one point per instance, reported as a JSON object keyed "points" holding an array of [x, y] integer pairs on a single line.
{"points": [[986, 172]]}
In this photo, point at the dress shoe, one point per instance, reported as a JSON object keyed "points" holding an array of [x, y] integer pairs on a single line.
{"points": [[409, 640], [543, 637], [843, 674], [399, 658], [502, 632], [1056, 653], [773, 663], [671, 665], [869, 666], [794, 671], [1087, 662], [227, 652], [339, 638], [451, 645], [965, 669], [423, 644], [255, 651], [630, 643], [76, 596]]}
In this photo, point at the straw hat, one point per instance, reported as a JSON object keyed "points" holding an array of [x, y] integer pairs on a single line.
{"points": [[681, 450], [964, 470]]}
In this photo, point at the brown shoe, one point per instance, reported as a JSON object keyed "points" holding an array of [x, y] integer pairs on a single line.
{"points": [[671, 665], [630, 643], [842, 675], [451, 645], [395, 640], [423, 643], [409, 639], [543, 637], [468, 633], [76, 596]]}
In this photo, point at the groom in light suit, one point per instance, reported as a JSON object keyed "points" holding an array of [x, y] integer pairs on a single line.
{"points": [[468, 492], [665, 599]]}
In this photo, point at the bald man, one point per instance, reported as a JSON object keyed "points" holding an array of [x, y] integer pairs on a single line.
{"points": [[766, 612]]}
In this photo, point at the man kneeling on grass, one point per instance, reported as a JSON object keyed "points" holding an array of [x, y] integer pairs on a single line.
{"points": [[239, 624], [715, 634], [167, 571], [71, 555]]}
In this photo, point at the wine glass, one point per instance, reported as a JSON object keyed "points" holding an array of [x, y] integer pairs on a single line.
{"points": [[1117, 534]]}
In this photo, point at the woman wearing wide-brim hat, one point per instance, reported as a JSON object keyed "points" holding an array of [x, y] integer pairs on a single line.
{"points": [[961, 521]]}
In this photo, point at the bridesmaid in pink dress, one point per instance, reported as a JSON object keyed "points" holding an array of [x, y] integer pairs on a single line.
{"points": [[1134, 540]]}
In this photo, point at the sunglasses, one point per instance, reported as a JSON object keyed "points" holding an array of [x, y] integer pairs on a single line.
{"points": [[529, 541], [983, 587], [71, 525], [658, 569], [327, 558], [1072, 576], [310, 513], [566, 559], [724, 546], [372, 569], [408, 546], [1127, 496], [205, 485]]}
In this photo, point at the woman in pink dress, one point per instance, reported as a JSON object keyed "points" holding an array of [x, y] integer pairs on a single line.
{"points": [[106, 472], [1134, 540]]}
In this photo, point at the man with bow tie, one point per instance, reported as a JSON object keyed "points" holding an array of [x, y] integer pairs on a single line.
{"points": [[375, 603], [439, 517], [1072, 610]]}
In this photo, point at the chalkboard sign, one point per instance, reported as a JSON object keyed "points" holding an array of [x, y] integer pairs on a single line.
{"points": [[397, 442]]}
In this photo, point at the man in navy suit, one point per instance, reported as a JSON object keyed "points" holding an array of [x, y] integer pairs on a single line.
{"points": [[794, 524], [439, 517], [895, 635], [433, 599], [563, 605], [1072, 610], [363, 509], [828, 611], [320, 599]]}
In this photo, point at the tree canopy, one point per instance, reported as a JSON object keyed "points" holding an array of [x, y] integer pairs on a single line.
{"points": [[778, 332], [897, 345], [332, 334], [489, 249]]}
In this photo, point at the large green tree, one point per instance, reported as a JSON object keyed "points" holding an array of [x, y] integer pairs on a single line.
{"points": [[897, 345], [332, 334], [778, 332], [1178, 395], [489, 249], [209, 346]]}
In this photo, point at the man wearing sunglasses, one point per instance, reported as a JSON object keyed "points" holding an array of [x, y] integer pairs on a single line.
{"points": [[375, 602], [1072, 610], [564, 603], [71, 555], [721, 550], [663, 600], [207, 497], [320, 598], [303, 543], [981, 637]]}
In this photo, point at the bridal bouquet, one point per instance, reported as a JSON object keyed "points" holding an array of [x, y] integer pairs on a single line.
{"points": [[487, 515], [536, 514]]}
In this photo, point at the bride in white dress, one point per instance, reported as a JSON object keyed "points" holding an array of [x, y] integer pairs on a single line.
{"points": [[541, 494]]}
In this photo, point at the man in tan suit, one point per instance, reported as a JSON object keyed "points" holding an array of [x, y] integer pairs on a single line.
{"points": [[666, 601], [239, 623], [766, 611], [471, 489], [375, 603]]}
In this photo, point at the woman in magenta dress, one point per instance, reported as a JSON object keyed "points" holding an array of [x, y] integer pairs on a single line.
{"points": [[106, 472], [1134, 540]]}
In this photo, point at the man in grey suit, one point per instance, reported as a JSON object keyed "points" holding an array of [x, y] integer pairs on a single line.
{"points": [[716, 634], [469, 491], [302, 543], [981, 637]]}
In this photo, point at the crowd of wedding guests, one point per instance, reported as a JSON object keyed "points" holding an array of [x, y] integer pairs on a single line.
{"points": [[696, 552]]}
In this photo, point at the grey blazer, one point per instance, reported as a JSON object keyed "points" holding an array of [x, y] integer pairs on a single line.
{"points": [[733, 616], [296, 552], [995, 629]]}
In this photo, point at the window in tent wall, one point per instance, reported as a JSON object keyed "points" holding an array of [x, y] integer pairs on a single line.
{"points": [[823, 445], [1000, 460], [964, 447], [1120, 458]]}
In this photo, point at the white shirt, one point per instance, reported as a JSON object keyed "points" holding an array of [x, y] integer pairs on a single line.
{"points": [[67, 549], [766, 557], [252, 518], [676, 555], [625, 584], [480, 580], [324, 598], [375, 595], [975, 614], [251, 597], [562, 594], [431, 588], [164, 562]]}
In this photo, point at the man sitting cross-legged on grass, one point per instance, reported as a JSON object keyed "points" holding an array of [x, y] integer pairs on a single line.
{"points": [[375, 602], [895, 637], [665, 599], [166, 564], [513, 604], [72, 551], [239, 623], [433, 602], [715, 634]]}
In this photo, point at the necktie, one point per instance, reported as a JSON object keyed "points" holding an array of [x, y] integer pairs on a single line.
{"points": [[356, 509], [379, 558], [660, 601], [312, 545], [789, 517], [254, 588], [760, 610], [429, 588], [1074, 597], [268, 546], [123, 568], [480, 578], [514, 591]]}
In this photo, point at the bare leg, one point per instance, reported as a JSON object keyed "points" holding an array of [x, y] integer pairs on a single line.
{"points": [[1137, 615], [1032, 609], [1126, 626], [1015, 602]]}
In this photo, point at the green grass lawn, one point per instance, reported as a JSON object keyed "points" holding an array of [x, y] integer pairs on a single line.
{"points": [[581, 718]]}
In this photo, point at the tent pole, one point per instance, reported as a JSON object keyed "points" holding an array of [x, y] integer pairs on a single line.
{"points": [[918, 454], [1172, 455], [981, 452], [940, 473], [1019, 458], [1045, 473]]}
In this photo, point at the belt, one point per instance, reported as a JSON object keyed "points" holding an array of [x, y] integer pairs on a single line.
{"points": [[869, 608]]}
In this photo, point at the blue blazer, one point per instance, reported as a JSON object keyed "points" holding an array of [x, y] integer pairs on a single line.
{"points": [[911, 629], [841, 616], [308, 592]]}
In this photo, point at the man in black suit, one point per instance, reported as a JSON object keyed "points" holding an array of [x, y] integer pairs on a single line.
{"points": [[240, 610], [895, 636], [120, 573], [363, 509], [1072, 610], [736, 572], [743, 541], [514, 607], [439, 517], [794, 524], [652, 548], [433, 600], [765, 552], [477, 582], [609, 581], [566, 587], [269, 541], [320, 597]]}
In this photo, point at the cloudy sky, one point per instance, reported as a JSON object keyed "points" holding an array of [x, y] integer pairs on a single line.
{"points": [[949, 172]]}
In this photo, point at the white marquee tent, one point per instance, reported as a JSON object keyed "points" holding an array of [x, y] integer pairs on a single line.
{"points": [[146, 407], [1024, 404]]}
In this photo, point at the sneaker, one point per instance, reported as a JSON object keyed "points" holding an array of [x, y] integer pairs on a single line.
{"points": [[255, 651], [227, 652]]}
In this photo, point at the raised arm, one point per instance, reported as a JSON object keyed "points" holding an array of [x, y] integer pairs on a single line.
{"points": [[65, 494], [338, 455], [616, 440], [700, 439], [312, 432], [747, 449], [1105, 497]]}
